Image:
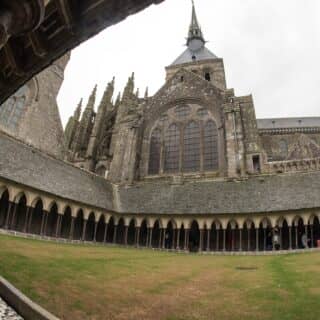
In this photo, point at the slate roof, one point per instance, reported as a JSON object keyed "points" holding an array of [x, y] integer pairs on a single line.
{"points": [[256, 194], [202, 54], [25, 165], [278, 123]]}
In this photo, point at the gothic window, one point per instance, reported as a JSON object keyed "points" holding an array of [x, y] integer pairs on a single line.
{"points": [[182, 111], [155, 149], [172, 149], [191, 147], [210, 146]]}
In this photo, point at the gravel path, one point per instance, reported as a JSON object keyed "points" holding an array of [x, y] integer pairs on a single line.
{"points": [[6, 313]]}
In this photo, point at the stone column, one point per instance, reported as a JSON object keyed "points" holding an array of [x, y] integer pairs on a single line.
{"points": [[7, 223], [44, 216], [71, 228], [290, 238], [249, 246], [58, 226], [201, 240], [160, 238], [125, 240], [150, 238], [114, 240], [173, 238], [148, 235], [137, 236], [105, 233], [30, 219], [217, 239], [163, 238], [264, 239], [84, 229], [224, 240], [240, 239], [46, 224], [178, 239], [296, 236], [273, 244], [311, 236], [257, 239], [95, 231], [186, 233], [280, 233], [26, 220], [232, 239], [15, 208], [208, 240]]}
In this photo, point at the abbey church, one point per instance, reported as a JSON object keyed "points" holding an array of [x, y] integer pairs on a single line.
{"points": [[189, 168]]}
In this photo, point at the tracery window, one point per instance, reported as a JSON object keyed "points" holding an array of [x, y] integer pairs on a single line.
{"points": [[155, 149], [210, 146], [172, 149], [191, 147], [186, 139]]}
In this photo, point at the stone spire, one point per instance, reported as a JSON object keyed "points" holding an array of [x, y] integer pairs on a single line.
{"points": [[128, 90], [77, 112], [92, 98], [137, 93], [98, 123], [146, 94], [195, 32], [118, 100]]}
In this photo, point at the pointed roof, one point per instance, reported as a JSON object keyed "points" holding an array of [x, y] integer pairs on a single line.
{"points": [[196, 50]]}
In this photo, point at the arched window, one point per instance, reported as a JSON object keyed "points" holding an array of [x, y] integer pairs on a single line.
{"points": [[210, 146], [171, 143], [155, 149], [191, 147]]}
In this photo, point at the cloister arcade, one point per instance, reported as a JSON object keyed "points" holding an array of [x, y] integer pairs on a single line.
{"points": [[27, 212]]}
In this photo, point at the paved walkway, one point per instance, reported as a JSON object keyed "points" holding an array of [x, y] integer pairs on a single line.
{"points": [[6, 313]]}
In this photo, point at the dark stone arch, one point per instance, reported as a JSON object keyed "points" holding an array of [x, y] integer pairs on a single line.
{"points": [[101, 229], [78, 226], [156, 232], [89, 234], [249, 236], [19, 222], [316, 231], [232, 237], [36, 217], [181, 244], [66, 223], [300, 231], [144, 234], [194, 237], [169, 236], [52, 221], [132, 232], [121, 232], [4, 205], [110, 230], [285, 243]]}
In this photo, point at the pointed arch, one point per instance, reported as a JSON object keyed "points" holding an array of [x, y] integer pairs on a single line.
{"points": [[4, 205]]}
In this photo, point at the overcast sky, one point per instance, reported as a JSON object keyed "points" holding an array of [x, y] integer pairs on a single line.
{"points": [[271, 49]]}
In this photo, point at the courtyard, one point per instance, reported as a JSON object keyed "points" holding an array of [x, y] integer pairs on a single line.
{"points": [[110, 282]]}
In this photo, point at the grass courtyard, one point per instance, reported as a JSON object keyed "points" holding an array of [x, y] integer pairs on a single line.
{"points": [[86, 282]]}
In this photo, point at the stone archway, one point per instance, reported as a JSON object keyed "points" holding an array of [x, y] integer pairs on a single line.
{"points": [[19, 221], [4, 205], [169, 236], [194, 237], [78, 226], [51, 225], [89, 230], [315, 231], [156, 233], [110, 230], [101, 228], [132, 232], [66, 224], [121, 232], [36, 218], [144, 234], [232, 237]]}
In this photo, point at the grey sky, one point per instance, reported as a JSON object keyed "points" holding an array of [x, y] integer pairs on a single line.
{"points": [[271, 49]]}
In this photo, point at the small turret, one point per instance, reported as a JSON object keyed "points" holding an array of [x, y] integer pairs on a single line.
{"points": [[146, 94], [77, 112]]}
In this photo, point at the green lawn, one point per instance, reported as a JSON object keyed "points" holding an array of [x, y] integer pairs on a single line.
{"points": [[86, 282]]}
